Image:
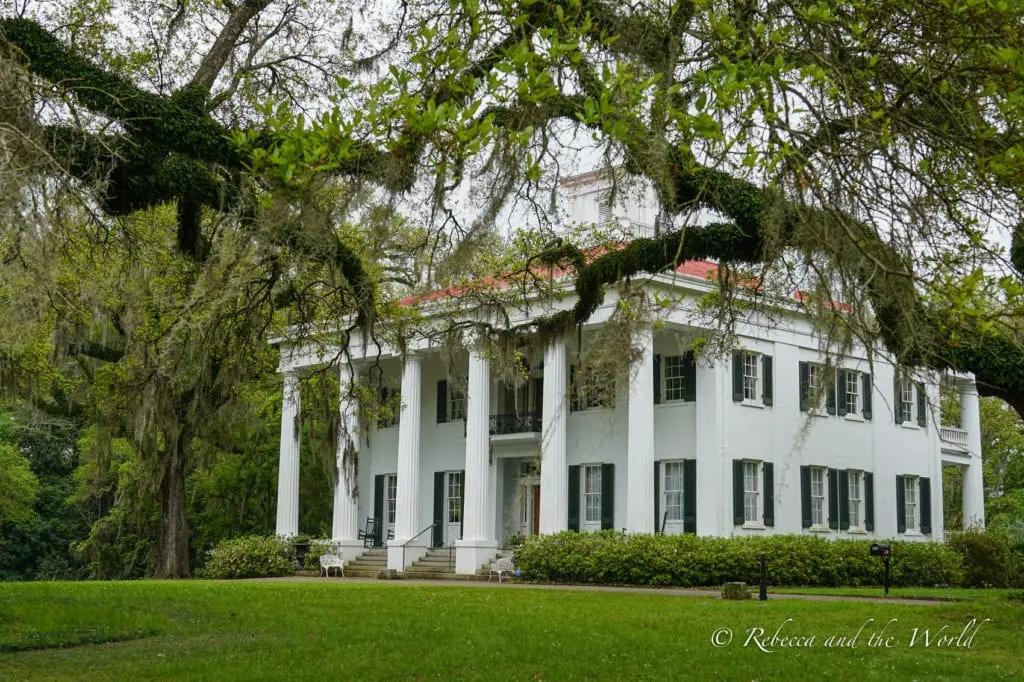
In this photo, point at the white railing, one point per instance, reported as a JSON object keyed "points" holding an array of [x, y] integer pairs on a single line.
{"points": [[954, 436]]}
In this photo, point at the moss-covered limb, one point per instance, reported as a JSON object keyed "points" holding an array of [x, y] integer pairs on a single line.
{"points": [[160, 120]]}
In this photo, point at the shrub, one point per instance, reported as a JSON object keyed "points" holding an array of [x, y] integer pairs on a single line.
{"points": [[988, 561], [317, 546], [610, 557], [252, 556]]}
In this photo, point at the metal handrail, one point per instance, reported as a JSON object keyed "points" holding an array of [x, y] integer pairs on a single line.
{"points": [[410, 540]]}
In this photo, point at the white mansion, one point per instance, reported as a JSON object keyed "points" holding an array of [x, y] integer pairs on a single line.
{"points": [[772, 439]]}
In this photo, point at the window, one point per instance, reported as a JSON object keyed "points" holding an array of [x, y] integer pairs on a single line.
{"points": [[454, 497], [592, 388], [818, 496], [816, 385], [851, 391], [592, 495], [751, 485], [392, 495], [910, 504], [673, 490], [854, 492], [750, 377], [604, 213], [390, 408], [674, 378], [456, 404], [907, 400]]}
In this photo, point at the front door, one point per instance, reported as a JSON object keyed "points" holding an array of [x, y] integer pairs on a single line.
{"points": [[390, 497], [452, 507]]}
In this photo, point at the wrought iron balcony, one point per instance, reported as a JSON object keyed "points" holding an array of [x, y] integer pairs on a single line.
{"points": [[523, 422]]}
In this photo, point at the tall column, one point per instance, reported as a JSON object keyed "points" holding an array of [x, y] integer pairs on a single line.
{"points": [[640, 439], [974, 484], [288, 459], [345, 525], [554, 471], [408, 499], [477, 544]]}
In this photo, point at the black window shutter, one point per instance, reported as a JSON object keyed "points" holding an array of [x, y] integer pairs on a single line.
{"points": [[805, 496], [841, 390], [538, 396], [574, 400], [865, 400], [574, 497], [926, 504], [607, 496], [766, 381], [657, 497], [805, 386], [901, 506], [657, 379], [738, 513], [898, 402], [844, 500], [437, 535], [833, 499], [442, 401], [737, 376], [689, 377], [869, 501], [689, 496], [922, 413], [769, 493], [830, 389], [462, 503], [378, 510]]}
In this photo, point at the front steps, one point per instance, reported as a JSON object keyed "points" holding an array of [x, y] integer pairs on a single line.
{"points": [[437, 564], [369, 564]]}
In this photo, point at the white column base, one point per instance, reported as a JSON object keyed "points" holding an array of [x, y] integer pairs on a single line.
{"points": [[412, 553], [350, 550], [472, 554]]}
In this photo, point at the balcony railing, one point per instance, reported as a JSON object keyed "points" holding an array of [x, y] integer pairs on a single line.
{"points": [[523, 422], [953, 436]]}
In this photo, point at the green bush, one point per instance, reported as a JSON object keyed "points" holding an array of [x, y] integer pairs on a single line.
{"points": [[317, 546], [988, 560], [610, 557], [252, 556]]}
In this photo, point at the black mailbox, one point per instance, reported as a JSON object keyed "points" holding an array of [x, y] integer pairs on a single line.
{"points": [[880, 550]]}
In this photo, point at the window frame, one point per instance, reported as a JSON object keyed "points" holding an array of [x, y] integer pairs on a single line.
{"points": [[586, 394], [590, 473], [677, 479], [752, 496], [456, 403], [909, 413], [819, 472], [751, 380], [852, 379], [819, 404], [912, 507], [855, 512], [390, 498], [454, 483], [678, 363]]}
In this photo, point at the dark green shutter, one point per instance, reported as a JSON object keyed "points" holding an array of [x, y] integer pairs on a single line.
{"points": [[833, 499], [844, 500], [462, 504], [898, 402], [766, 383], [769, 493], [607, 496], [922, 412], [437, 536], [926, 504], [869, 501], [574, 399], [830, 388], [378, 510], [805, 496], [866, 398], [657, 379], [442, 401], [538, 396], [841, 390], [737, 376], [689, 377], [901, 506], [739, 516], [805, 386], [657, 497], [689, 496], [574, 497]]}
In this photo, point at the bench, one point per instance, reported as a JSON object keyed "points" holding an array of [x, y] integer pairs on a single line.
{"points": [[501, 566], [329, 561]]}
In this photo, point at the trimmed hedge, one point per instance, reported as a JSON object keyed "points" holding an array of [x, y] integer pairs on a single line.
{"points": [[253, 556], [613, 558]]}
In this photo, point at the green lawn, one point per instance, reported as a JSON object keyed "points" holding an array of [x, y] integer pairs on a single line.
{"points": [[895, 593], [332, 630]]}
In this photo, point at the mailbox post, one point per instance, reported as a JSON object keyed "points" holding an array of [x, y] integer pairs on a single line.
{"points": [[883, 551]]}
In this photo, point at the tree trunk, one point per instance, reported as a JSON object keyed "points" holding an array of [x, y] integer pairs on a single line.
{"points": [[172, 560]]}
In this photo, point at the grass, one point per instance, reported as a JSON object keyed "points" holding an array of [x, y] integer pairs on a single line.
{"points": [[365, 630], [895, 593]]}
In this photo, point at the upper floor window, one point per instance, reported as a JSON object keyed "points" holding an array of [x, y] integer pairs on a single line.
{"points": [[451, 402], [752, 378], [675, 378], [592, 388], [854, 389], [909, 401], [390, 408]]}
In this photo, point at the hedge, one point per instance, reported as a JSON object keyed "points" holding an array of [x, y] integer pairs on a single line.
{"points": [[253, 556], [614, 558]]}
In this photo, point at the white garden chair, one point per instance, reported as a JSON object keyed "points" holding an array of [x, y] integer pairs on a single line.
{"points": [[329, 561], [501, 566]]}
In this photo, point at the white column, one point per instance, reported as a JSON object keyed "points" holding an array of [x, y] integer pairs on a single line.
{"points": [[408, 499], [288, 462], [640, 438], [714, 476], [345, 525], [554, 472], [974, 484], [477, 544]]}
